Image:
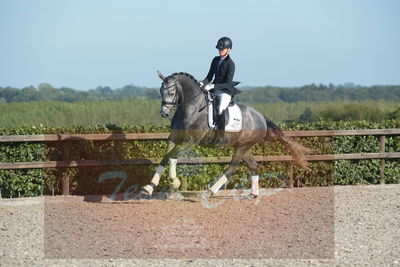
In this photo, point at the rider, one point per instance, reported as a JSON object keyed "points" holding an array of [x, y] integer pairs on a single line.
{"points": [[222, 87]]}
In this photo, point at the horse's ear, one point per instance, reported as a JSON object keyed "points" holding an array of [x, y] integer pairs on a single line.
{"points": [[162, 77]]}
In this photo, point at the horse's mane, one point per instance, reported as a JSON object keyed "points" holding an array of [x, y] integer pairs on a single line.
{"points": [[182, 75]]}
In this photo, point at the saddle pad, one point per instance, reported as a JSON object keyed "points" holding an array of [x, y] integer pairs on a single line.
{"points": [[235, 118]]}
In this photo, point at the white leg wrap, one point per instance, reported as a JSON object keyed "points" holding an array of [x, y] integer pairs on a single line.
{"points": [[219, 184], [172, 168], [254, 185], [149, 189], [174, 182], [156, 178]]}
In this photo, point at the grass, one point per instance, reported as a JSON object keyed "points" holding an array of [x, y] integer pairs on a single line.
{"points": [[139, 111]]}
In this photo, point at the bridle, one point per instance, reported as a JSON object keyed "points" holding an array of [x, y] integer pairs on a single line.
{"points": [[174, 103]]}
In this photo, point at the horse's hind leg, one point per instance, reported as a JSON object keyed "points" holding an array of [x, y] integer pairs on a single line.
{"points": [[238, 156], [253, 166]]}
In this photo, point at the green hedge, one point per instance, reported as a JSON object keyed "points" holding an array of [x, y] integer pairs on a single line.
{"points": [[85, 180]]}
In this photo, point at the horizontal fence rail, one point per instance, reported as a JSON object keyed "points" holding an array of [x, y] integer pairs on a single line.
{"points": [[201, 160], [164, 136], [382, 155]]}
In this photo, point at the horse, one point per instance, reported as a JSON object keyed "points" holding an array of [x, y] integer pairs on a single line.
{"points": [[189, 127]]}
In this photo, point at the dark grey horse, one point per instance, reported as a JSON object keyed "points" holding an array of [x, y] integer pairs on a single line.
{"points": [[189, 127]]}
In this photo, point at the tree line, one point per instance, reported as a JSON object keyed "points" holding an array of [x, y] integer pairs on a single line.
{"points": [[321, 93], [46, 92], [307, 93]]}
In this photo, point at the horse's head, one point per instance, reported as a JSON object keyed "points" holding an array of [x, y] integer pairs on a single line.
{"points": [[180, 89], [169, 94]]}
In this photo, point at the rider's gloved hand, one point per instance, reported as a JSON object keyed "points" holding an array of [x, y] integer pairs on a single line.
{"points": [[209, 87], [201, 84]]}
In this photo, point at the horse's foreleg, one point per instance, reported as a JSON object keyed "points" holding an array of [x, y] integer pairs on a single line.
{"points": [[170, 158], [171, 151], [173, 180]]}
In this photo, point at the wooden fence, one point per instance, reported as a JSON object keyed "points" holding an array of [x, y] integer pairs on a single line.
{"points": [[382, 133]]}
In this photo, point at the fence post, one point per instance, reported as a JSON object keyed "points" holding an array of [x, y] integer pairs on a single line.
{"points": [[290, 175], [65, 156], [382, 141], [184, 184]]}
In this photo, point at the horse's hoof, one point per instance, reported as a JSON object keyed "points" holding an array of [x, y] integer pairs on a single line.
{"points": [[175, 184], [251, 196], [174, 196], [147, 190], [206, 195], [144, 192]]}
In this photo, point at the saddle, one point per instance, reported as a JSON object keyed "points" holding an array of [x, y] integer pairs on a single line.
{"points": [[233, 115]]}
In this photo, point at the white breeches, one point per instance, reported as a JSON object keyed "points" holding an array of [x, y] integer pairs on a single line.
{"points": [[224, 100]]}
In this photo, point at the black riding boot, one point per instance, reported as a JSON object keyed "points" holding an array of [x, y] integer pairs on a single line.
{"points": [[215, 115], [221, 128]]}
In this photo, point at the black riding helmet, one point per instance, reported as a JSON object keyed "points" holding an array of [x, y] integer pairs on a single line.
{"points": [[223, 43]]}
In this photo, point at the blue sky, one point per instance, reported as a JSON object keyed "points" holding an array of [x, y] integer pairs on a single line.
{"points": [[90, 43]]}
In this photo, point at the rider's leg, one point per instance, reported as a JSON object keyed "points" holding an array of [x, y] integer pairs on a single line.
{"points": [[223, 102], [221, 121], [215, 112]]}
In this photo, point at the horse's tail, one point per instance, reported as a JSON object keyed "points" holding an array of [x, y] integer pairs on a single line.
{"points": [[296, 149]]}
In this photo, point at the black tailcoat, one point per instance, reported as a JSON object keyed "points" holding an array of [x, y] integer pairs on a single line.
{"points": [[223, 75]]}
